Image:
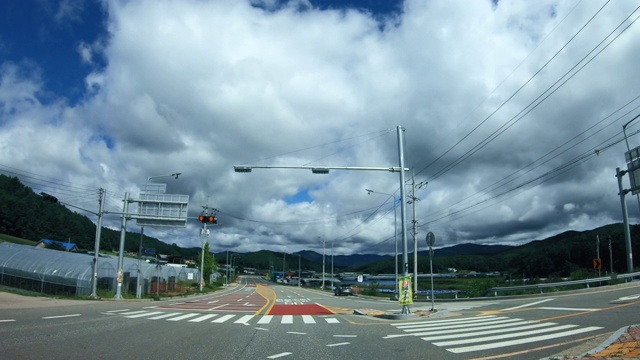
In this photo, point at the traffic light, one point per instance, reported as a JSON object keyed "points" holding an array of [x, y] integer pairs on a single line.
{"points": [[48, 197], [207, 219]]}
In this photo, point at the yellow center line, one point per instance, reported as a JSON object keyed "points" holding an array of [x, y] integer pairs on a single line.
{"points": [[268, 294]]}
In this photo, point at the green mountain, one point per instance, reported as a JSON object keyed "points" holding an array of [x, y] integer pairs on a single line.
{"points": [[26, 215]]}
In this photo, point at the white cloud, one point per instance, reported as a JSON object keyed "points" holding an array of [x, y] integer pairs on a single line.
{"points": [[197, 87]]}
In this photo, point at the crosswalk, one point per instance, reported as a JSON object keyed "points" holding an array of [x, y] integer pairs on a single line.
{"points": [[486, 332], [241, 319]]}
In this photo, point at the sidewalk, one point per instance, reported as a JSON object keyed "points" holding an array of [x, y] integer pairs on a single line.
{"points": [[623, 344]]}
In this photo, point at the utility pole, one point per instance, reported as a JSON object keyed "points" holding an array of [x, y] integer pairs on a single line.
{"points": [[413, 201], [96, 247], [123, 231], [322, 287], [331, 264], [204, 233]]}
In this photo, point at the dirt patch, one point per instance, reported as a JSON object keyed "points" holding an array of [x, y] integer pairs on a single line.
{"points": [[13, 301]]}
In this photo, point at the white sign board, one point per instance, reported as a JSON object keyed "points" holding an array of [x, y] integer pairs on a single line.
{"points": [[633, 168], [162, 209]]}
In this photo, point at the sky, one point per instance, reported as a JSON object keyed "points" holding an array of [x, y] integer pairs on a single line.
{"points": [[511, 115]]}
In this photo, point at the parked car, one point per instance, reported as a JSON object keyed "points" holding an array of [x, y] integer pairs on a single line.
{"points": [[343, 289]]}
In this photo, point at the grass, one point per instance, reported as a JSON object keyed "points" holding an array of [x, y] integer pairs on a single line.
{"points": [[16, 240]]}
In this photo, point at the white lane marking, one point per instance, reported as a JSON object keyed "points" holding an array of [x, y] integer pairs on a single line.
{"points": [[115, 311], [527, 305], [203, 318], [308, 319], [223, 319], [503, 336], [243, 320], [182, 317], [134, 312], [218, 307], [263, 329], [332, 320], [339, 344], [568, 309], [522, 341], [461, 333], [296, 333], [265, 319], [279, 355], [345, 336], [61, 316], [10, 320], [166, 315], [148, 313], [461, 324], [400, 325], [287, 319]]}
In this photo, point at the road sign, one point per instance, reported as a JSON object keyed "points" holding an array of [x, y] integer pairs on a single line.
{"points": [[633, 168], [162, 209], [360, 278], [149, 251], [597, 264]]}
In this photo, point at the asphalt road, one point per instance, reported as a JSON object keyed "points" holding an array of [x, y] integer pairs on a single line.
{"points": [[252, 321]]}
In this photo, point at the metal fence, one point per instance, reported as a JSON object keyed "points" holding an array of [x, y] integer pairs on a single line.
{"points": [[555, 285]]}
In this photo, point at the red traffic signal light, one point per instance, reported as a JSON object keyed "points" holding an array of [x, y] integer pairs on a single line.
{"points": [[207, 219]]}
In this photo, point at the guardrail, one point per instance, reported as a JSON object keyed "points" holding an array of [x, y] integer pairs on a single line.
{"points": [[541, 287]]}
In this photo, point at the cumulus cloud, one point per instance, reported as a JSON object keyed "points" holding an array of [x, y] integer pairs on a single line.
{"points": [[197, 87]]}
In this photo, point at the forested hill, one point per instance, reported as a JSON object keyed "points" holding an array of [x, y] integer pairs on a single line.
{"points": [[27, 215]]}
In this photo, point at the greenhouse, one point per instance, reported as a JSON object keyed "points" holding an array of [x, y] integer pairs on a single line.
{"points": [[66, 273]]}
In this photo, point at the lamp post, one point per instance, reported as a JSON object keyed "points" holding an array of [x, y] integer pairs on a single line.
{"points": [[395, 236], [400, 169]]}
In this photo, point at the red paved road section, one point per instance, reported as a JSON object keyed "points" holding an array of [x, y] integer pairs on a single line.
{"points": [[302, 309]]}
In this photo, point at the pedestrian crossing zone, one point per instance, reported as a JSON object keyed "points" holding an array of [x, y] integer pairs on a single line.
{"points": [[486, 332], [240, 319]]}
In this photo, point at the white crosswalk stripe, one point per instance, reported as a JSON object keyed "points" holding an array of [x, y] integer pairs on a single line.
{"points": [[217, 318], [486, 332]]}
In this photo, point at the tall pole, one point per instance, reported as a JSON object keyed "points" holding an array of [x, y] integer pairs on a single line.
{"points": [[226, 278], [598, 252], [331, 264], [322, 287], [414, 199], [284, 257], [610, 257], [403, 213], [625, 217], [299, 271], [123, 231], [203, 235], [96, 247], [138, 284]]}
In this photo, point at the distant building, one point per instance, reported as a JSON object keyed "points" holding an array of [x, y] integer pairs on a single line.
{"points": [[67, 246]]}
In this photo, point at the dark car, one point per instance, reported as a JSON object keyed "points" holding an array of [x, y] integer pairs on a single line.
{"points": [[343, 289]]}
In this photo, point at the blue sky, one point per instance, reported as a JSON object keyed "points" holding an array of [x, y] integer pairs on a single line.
{"points": [[504, 105], [46, 35]]}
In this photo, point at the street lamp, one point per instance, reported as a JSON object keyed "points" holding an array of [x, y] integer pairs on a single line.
{"points": [[405, 301], [395, 236]]}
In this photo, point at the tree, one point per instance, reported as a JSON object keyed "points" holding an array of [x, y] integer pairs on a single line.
{"points": [[210, 265]]}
